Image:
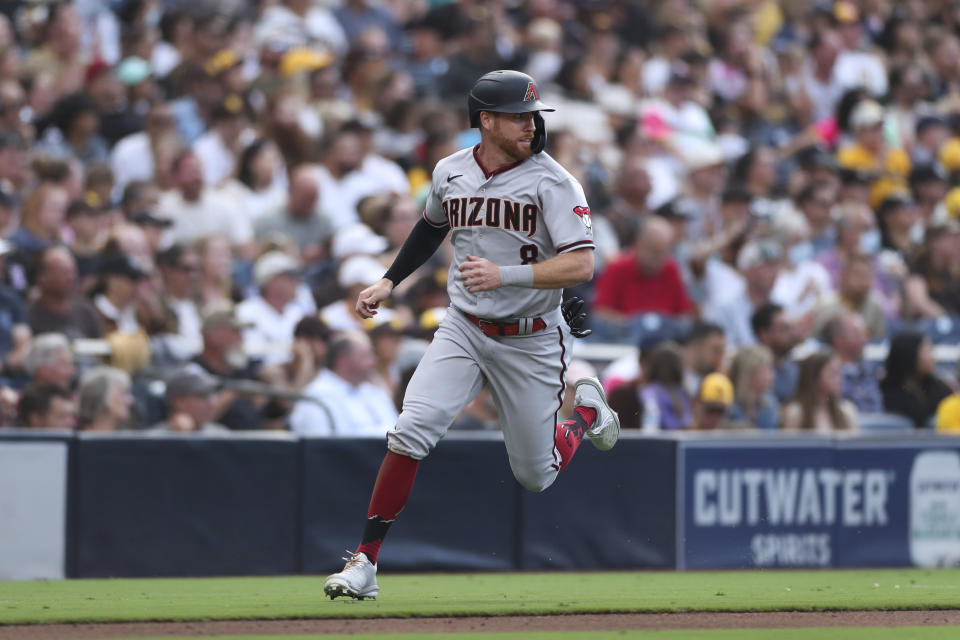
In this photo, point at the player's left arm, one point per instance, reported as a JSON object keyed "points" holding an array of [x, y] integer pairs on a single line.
{"points": [[558, 272]]}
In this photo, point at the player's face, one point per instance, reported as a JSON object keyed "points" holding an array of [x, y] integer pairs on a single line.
{"points": [[513, 134]]}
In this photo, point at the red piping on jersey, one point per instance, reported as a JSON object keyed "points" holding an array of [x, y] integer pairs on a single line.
{"points": [[563, 386], [434, 224], [580, 244], [490, 174]]}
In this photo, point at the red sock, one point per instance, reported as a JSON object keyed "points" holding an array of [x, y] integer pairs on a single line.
{"points": [[390, 493], [569, 434]]}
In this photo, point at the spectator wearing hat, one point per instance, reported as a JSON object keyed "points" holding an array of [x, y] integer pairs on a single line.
{"points": [[118, 118], [201, 94], [846, 334], [427, 63], [754, 404], [190, 395], [298, 219], [87, 236], [347, 403], [856, 65], [226, 68], [46, 406], [115, 297], [274, 312], [713, 402], [197, 210], [355, 274], [870, 152], [896, 219], [104, 401], [645, 280], [58, 306], [677, 109], [133, 156], [224, 357], [301, 23], [759, 262], [220, 146], [948, 414], [706, 175]]}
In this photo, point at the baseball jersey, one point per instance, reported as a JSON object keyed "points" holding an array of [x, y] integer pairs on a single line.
{"points": [[519, 214]]}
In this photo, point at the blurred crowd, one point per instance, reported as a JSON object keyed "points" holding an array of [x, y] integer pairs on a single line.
{"points": [[193, 194]]}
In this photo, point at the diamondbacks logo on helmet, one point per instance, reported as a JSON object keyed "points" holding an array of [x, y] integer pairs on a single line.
{"points": [[531, 93], [584, 213]]}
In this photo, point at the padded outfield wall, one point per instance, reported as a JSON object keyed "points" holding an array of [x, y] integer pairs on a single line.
{"points": [[85, 505]]}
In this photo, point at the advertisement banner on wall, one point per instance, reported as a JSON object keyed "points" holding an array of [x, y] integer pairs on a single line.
{"points": [[819, 503]]}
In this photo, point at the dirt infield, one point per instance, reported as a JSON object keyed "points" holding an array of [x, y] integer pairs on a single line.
{"points": [[591, 622]]}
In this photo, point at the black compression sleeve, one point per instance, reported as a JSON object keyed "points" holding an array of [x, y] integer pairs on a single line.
{"points": [[417, 249]]}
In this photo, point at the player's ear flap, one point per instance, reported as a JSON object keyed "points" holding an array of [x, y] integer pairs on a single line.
{"points": [[540, 135]]}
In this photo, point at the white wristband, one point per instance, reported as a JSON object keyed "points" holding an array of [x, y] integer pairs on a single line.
{"points": [[520, 275]]}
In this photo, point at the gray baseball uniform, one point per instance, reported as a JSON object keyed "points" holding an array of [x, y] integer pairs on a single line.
{"points": [[520, 214]]}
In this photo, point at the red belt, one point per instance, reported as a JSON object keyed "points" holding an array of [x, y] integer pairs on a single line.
{"points": [[494, 328]]}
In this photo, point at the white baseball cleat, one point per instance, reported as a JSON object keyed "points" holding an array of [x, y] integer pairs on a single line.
{"points": [[357, 580], [606, 426]]}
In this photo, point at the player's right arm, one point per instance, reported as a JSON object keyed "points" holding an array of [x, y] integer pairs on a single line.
{"points": [[422, 243]]}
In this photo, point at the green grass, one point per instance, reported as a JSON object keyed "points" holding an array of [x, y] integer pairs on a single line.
{"points": [[823, 633], [478, 594]]}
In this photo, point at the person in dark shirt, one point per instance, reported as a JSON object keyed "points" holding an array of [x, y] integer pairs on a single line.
{"points": [[59, 308], [774, 331], [223, 356], [910, 385]]}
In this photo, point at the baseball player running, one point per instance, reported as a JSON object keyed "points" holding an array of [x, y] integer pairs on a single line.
{"points": [[521, 233]]}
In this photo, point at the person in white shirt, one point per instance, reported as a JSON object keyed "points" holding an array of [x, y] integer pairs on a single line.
{"points": [[803, 282], [300, 23], [356, 273], [274, 313], [346, 403], [349, 173], [132, 157], [198, 211], [219, 147], [180, 267]]}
